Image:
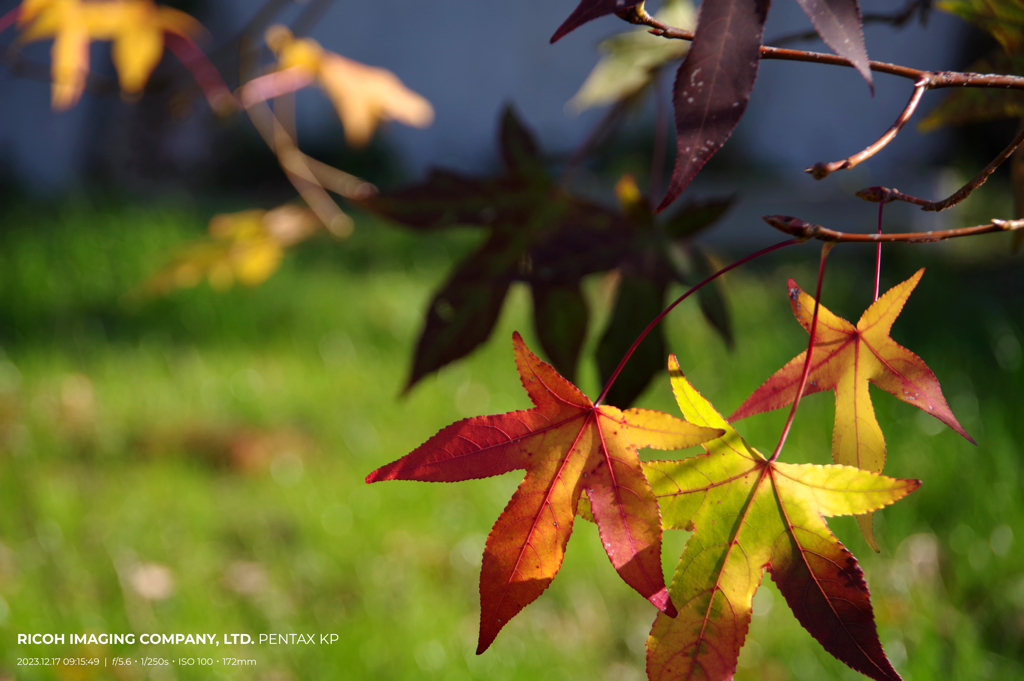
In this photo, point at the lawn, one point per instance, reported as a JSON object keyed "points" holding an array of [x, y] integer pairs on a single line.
{"points": [[195, 464]]}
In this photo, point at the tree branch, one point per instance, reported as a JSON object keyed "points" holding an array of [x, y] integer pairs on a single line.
{"points": [[940, 79], [885, 195], [822, 170], [803, 231]]}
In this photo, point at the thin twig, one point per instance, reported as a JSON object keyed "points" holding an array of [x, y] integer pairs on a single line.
{"points": [[825, 248], [664, 313], [807, 230], [940, 79], [886, 194], [10, 18], [822, 170], [206, 75]]}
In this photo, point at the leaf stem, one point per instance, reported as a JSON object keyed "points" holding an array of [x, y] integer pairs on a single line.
{"points": [[654, 322], [9, 19], [205, 73], [825, 248], [878, 253]]}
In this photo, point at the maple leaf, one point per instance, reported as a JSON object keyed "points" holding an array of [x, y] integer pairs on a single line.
{"points": [[246, 246], [567, 445], [845, 358], [362, 95], [749, 514], [541, 235], [137, 29]]}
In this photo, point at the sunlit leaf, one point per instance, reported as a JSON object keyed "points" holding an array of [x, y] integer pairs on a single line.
{"points": [[846, 358], [747, 515], [362, 95], [567, 445], [137, 29]]}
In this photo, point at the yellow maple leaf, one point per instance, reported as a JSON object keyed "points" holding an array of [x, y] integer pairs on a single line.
{"points": [[137, 29], [246, 246], [362, 95]]}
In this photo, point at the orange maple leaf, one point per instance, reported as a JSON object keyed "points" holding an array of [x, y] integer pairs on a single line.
{"points": [[137, 29], [567, 445], [362, 95], [845, 358]]}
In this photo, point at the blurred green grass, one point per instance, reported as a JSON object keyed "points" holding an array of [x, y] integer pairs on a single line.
{"points": [[195, 464]]}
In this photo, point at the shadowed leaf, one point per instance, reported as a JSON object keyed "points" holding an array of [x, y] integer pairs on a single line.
{"points": [[839, 25], [638, 301], [695, 217], [713, 84], [711, 297], [463, 313], [588, 10], [560, 318], [538, 234], [567, 446]]}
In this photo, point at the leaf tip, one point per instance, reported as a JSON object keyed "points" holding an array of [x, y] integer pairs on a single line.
{"points": [[673, 366], [663, 602]]}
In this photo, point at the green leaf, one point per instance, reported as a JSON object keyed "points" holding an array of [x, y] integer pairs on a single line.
{"points": [[978, 105], [630, 60], [1003, 19], [748, 514]]}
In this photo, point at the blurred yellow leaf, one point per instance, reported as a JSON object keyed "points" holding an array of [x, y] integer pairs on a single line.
{"points": [[246, 247], [362, 95], [137, 29]]}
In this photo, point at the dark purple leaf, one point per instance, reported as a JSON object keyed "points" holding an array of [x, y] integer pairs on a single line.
{"points": [[713, 84], [639, 300], [446, 199], [839, 25], [463, 313], [519, 148], [695, 217], [560, 319], [711, 297], [589, 10]]}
